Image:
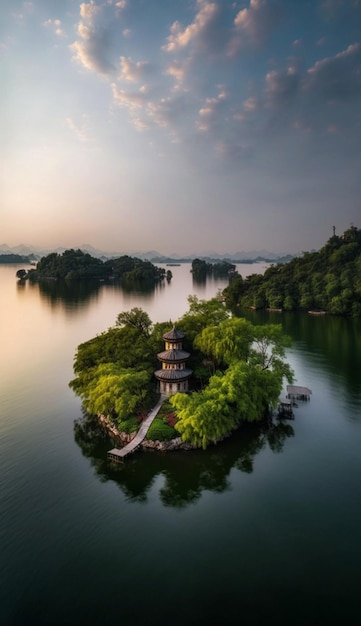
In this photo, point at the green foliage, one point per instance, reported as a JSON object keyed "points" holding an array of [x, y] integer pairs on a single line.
{"points": [[268, 348], [327, 280], [113, 391], [134, 270], [161, 431], [244, 392], [129, 425], [226, 342], [202, 313], [21, 274], [201, 269], [72, 264], [118, 345], [114, 373], [136, 318], [76, 265], [162, 428], [252, 359]]}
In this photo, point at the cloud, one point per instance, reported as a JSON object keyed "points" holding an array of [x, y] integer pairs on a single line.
{"points": [[282, 86], [320, 99], [254, 24], [177, 70], [93, 48], [133, 71], [251, 104], [211, 114], [89, 10], [147, 111], [80, 129], [235, 152], [132, 101], [120, 5], [201, 99], [203, 31], [56, 26], [333, 10], [336, 78], [168, 112]]}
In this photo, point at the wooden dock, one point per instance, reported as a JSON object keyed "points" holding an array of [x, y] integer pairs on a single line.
{"points": [[117, 455], [294, 392], [285, 410]]}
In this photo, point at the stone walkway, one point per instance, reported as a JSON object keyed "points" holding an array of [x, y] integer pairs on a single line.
{"points": [[117, 455]]}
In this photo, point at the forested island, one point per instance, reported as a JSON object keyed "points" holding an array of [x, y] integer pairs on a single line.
{"points": [[325, 281], [79, 265], [202, 269], [15, 259], [238, 373]]}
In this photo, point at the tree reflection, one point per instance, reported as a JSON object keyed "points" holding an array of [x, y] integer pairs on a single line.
{"points": [[185, 474], [73, 295], [67, 294]]}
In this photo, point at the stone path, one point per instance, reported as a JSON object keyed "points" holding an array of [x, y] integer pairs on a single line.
{"points": [[118, 454]]}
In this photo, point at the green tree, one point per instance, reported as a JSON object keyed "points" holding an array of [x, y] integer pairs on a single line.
{"points": [[202, 313], [242, 393], [268, 348], [136, 318], [226, 342], [114, 391]]}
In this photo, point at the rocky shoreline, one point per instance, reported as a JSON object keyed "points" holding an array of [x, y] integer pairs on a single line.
{"points": [[124, 438]]}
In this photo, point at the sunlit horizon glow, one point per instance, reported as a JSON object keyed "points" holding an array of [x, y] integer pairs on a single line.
{"points": [[187, 127]]}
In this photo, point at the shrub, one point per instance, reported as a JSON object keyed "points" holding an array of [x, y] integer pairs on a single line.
{"points": [[128, 426], [161, 431]]}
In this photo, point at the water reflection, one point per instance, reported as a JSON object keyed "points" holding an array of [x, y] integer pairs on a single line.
{"points": [[330, 344], [186, 474], [74, 296]]}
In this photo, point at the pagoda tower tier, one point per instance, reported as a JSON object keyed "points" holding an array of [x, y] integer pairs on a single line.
{"points": [[174, 375]]}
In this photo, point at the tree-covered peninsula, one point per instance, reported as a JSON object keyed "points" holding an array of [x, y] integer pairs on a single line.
{"points": [[79, 265], [328, 280], [239, 370]]}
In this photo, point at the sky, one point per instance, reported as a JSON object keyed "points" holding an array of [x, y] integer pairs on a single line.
{"points": [[181, 126]]}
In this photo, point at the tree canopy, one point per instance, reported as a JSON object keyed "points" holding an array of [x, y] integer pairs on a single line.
{"points": [[247, 383], [79, 265], [239, 374], [328, 280]]}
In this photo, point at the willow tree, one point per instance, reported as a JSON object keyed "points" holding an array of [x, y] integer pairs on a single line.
{"points": [[244, 393], [226, 342], [113, 391], [202, 313], [247, 386]]}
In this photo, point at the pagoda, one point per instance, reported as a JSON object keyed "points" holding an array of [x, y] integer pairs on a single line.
{"points": [[174, 375]]}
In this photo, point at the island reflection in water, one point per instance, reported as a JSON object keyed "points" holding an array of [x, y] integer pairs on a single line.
{"points": [[73, 295], [186, 473]]}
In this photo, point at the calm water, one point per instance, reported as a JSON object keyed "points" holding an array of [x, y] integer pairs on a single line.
{"points": [[263, 529]]}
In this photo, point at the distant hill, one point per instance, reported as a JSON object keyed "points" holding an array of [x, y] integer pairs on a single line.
{"points": [[152, 255]]}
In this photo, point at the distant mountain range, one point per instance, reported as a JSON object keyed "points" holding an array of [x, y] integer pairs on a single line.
{"points": [[153, 255]]}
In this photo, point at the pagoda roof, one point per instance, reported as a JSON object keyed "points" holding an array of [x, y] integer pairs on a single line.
{"points": [[173, 375], [173, 355], [173, 335]]}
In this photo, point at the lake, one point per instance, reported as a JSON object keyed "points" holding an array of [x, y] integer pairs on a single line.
{"points": [[261, 529]]}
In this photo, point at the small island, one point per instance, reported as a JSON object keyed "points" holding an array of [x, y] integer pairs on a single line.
{"points": [[217, 372], [79, 265]]}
